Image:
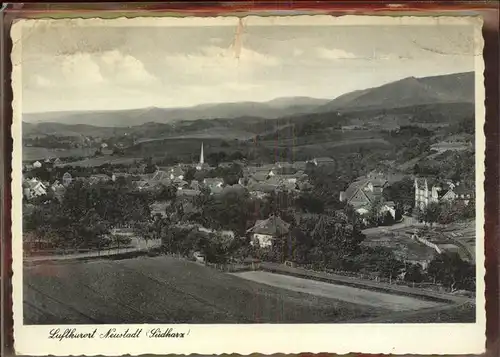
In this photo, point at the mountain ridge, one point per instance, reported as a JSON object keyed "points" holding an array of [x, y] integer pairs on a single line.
{"points": [[407, 92]]}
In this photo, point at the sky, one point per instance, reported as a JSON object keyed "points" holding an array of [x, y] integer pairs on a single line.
{"points": [[78, 67]]}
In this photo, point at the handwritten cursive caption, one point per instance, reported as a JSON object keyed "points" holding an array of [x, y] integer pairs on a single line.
{"points": [[110, 333]]}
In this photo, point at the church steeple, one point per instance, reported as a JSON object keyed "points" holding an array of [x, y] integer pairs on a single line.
{"points": [[200, 165]]}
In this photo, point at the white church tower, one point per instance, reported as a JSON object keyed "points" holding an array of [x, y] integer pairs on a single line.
{"points": [[202, 159]]}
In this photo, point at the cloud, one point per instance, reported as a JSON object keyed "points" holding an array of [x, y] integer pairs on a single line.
{"points": [[334, 54], [88, 70], [80, 69], [214, 61], [124, 69]]}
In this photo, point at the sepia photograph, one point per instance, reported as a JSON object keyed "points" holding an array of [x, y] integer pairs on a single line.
{"points": [[242, 171]]}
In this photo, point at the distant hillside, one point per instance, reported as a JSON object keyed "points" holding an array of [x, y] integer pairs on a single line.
{"points": [[440, 100], [76, 130], [453, 88], [268, 110]]}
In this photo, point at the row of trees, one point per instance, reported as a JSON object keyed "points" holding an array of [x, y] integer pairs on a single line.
{"points": [[85, 215], [447, 212]]}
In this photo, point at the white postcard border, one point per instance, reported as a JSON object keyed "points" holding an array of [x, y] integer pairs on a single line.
{"points": [[261, 338]]}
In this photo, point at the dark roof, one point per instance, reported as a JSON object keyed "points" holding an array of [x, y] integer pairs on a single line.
{"points": [[287, 170], [233, 188], [188, 192], [324, 159], [177, 171], [262, 187], [274, 226], [160, 175], [354, 187], [260, 175]]}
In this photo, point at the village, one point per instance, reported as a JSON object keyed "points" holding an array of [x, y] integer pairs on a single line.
{"points": [[183, 198]]}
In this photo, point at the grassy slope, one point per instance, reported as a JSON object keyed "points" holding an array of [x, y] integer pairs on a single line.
{"points": [[459, 313], [39, 153], [166, 290]]}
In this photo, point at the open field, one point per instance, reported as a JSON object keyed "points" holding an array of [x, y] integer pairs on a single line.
{"points": [[167, 290], [339, 292], [31, 153], [458, 313], [102, 160]]}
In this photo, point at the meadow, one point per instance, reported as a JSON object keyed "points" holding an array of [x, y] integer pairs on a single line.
{"points": [[31, 153], [167, 290]]}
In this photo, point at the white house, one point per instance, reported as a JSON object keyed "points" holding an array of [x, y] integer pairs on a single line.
{"points": [[264, 232], [67, 179], [427, 192], [34, 188], [322, 161]]}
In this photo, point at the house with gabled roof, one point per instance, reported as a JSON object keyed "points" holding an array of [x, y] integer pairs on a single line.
{"points": [[264, 232], [176, 173], [459, 193], [94, 179], [261, 189], [34, 188], [366, 191], [428, 190], [319, 161], [260, 176]]}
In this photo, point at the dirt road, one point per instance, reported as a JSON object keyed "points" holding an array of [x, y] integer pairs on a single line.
{"points": [[338, 292]]}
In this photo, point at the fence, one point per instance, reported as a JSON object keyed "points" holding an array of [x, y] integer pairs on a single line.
{"points": [[76, 253], [427, 243], [235, 268]]}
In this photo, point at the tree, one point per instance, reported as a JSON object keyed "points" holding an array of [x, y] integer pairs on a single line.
{"points": [[237, 155], [449, 212], [387, 219], [150, 167], [378, 259], [398, 213], [450, 270], [416, 169], [402, 193], [375, 215], [333, 239], [167, 193], [190, 174], [153, 229], [414, 273], [309, 202], [431, 213]]}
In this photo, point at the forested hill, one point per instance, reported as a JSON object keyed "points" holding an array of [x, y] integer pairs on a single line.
{"points": [[408, 92]]}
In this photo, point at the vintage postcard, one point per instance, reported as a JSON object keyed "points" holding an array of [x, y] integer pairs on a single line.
{"points": [[248, 185]]}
